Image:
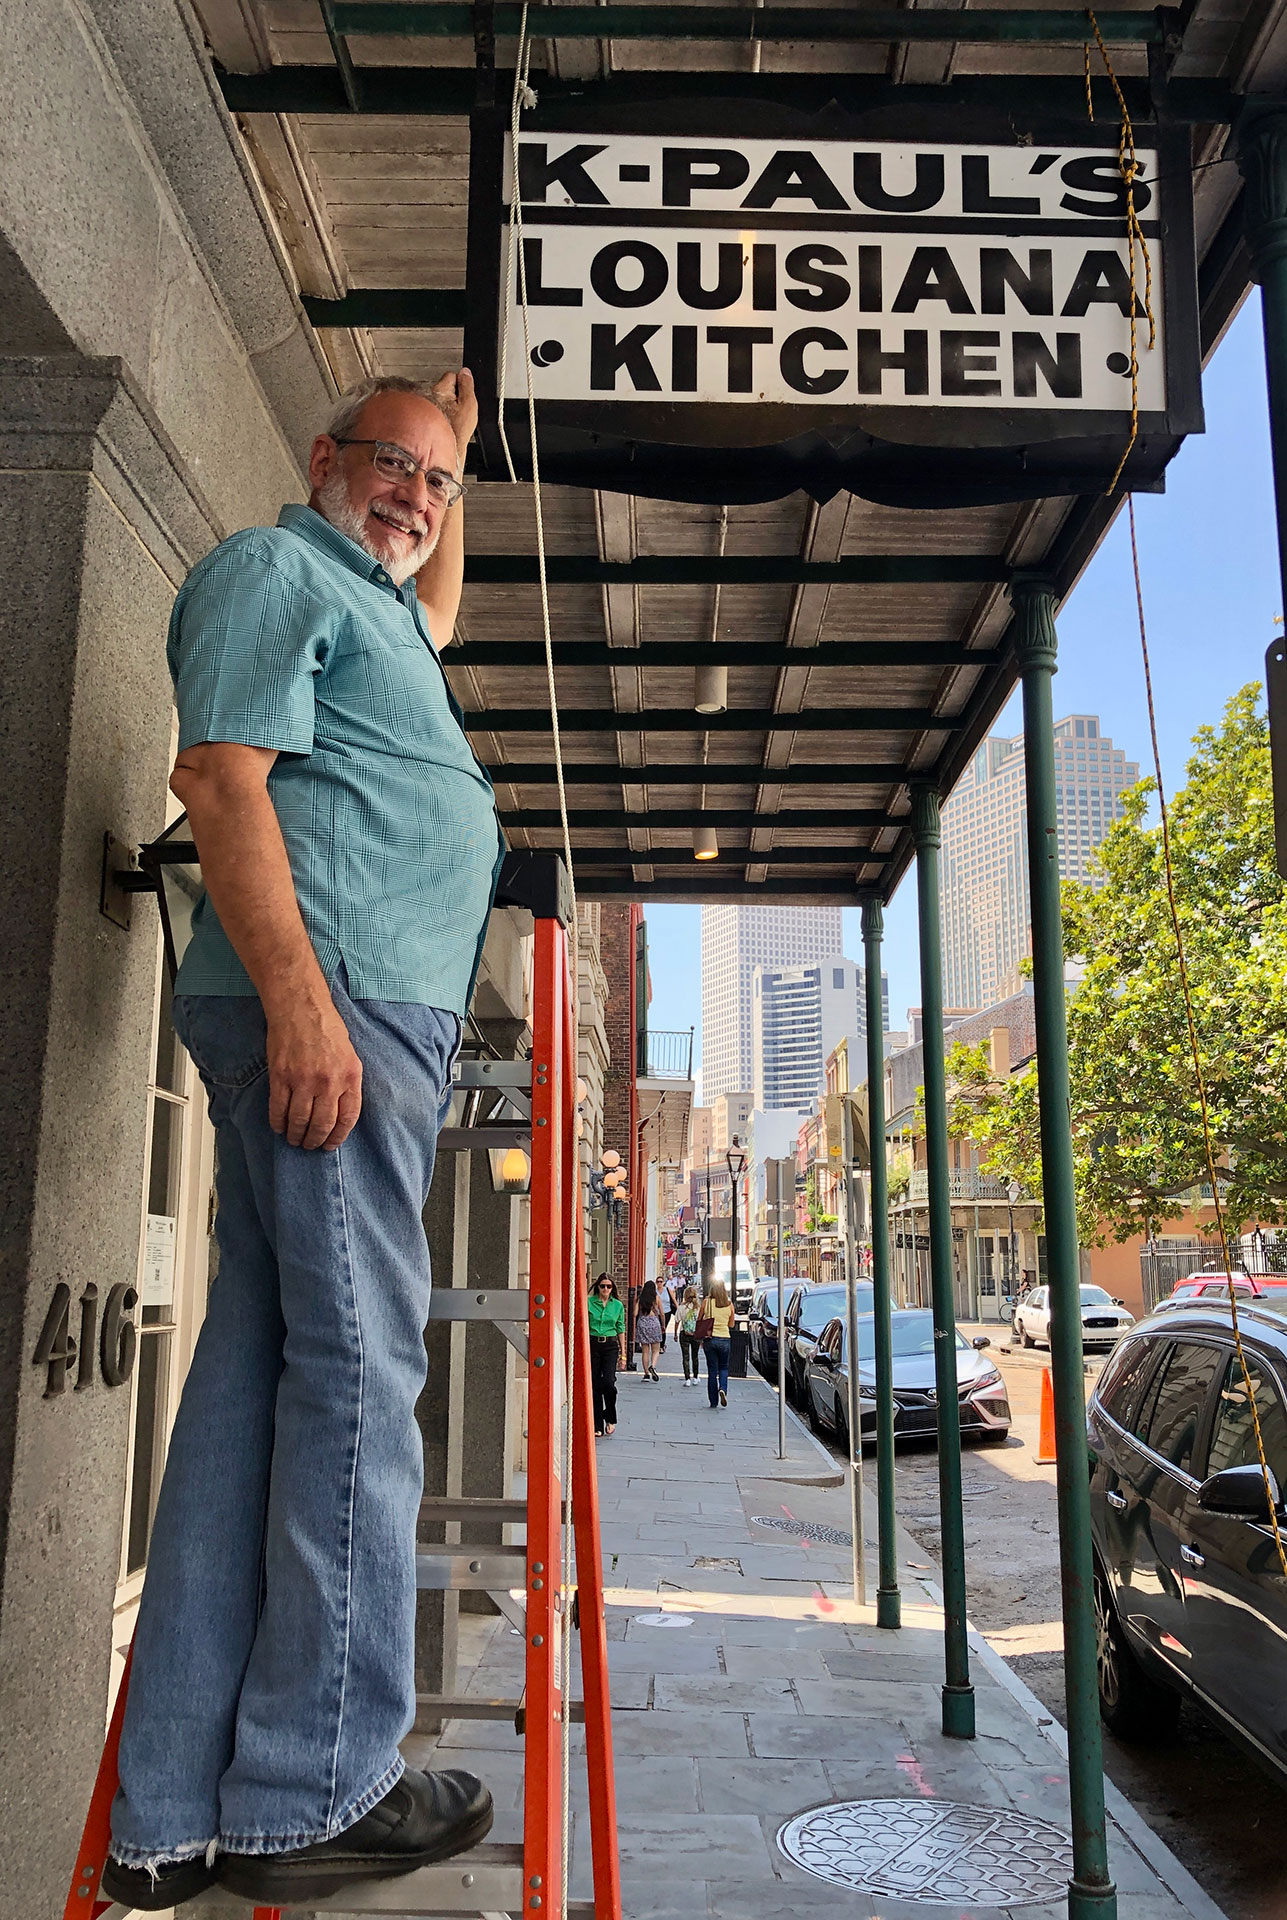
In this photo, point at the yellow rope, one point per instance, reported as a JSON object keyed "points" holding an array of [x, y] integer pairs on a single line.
{"points": [[1128, 164]]}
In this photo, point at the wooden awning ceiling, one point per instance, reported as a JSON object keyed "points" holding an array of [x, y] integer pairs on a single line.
{"points": [[866, 644]]}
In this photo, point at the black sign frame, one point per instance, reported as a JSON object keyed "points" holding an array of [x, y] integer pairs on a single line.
{"points": [[900, 456]]}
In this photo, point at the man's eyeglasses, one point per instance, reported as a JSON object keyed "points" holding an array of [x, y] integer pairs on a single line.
{"points": [[395, 463]]}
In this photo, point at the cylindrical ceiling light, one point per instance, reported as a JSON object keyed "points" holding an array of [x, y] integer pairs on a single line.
{"points": [[710, 689], [705, 843]]}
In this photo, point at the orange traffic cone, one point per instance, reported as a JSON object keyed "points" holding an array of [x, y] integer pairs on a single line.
{"points": [[1046, 1435]]}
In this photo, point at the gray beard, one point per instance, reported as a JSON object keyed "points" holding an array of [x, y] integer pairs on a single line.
{"points": [[336, 507]]}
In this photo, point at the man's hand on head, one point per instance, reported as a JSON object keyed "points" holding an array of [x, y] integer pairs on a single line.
{"points": [[454, 394]]}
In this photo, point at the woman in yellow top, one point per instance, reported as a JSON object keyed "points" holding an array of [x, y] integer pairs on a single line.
{"points": [[717, 1323]]}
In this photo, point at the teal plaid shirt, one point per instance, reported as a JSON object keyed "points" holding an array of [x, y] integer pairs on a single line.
{"points": [[292, 638]]}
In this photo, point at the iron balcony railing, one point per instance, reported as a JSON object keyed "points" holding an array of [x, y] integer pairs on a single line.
{"points": [[665, 1056], [960, 1186]]}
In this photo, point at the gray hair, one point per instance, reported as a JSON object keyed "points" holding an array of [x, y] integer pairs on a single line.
{"points": [[347, 410]]}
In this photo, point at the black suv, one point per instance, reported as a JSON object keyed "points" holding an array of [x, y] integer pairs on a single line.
{"points": [[1189, 1589], [806, 1314]]}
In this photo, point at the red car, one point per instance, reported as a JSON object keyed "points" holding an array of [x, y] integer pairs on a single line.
{"points": [[1215, 1286]]}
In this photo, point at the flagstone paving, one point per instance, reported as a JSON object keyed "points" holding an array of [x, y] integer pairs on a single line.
{"points": [[748, 1688]]}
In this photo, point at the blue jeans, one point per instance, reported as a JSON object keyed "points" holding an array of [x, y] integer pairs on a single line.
{"points": [[716, 1369], [273, 1672]]}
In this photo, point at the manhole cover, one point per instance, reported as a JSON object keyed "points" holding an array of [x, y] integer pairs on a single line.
{"points": [[937, 1852], [663, 1620], [806, 1530]]}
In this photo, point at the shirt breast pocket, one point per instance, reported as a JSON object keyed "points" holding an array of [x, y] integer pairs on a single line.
{"points": [[392, 685]]}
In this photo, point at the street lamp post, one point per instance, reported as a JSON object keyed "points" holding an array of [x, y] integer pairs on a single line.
{"points": [[736, 1159]]}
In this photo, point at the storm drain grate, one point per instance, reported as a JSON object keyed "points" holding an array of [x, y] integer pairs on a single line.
{"points": [[937, 1852], [806, 1530]]}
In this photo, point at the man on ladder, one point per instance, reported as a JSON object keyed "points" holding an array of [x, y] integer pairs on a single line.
{"points": [[350, 850]]}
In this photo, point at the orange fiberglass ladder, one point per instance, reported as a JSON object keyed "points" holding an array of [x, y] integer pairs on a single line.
{"points": [[495, 1879]]}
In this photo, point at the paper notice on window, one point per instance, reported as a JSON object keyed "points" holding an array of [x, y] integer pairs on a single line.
{"points": [[158, 1260]]}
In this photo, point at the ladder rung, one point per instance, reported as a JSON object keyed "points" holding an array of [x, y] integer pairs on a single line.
{"points": [[463, 1303], [478, 1506], [474, 1139], [463, 1706], [469, 1570], [444, 1506], [492, 1073], [489, 1879]]}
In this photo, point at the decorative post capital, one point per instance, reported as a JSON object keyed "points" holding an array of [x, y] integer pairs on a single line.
{"points": [[873, 916], [1260, 145], [927, 824], [1036, 645]]}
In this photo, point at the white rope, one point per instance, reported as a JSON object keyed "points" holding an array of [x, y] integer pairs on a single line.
{"points": [[523, 96]]}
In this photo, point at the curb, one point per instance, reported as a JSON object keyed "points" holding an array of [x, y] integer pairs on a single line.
{"points": [[831, 1476], [1174, 1876]]}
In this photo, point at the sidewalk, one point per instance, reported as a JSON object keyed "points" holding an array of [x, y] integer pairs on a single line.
{"points": [[748, 1688]]}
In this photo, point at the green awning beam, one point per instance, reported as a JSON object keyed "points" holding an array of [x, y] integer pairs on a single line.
{"points": [[743, 653], [452, 90], [584, 857], [723, 819], [738, 570], [731, 720], [609, 773], [448, 19]]}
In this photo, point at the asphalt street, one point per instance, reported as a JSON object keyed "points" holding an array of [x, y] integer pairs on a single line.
{"points": [[1213, 1806]]}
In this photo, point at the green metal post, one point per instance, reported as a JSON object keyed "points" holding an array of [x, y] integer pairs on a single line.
{"points": [[1262, 158], [1090, 1891], [958, 1693], [889, 1606]]}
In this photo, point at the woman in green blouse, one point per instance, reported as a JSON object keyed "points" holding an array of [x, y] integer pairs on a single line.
{"points": [[607, 1325]]}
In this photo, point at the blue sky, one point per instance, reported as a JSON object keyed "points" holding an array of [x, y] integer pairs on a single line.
{"points": [[1209, 564]]}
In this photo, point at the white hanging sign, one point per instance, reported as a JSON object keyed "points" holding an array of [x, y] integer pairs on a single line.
{"points": [[838, 274]]}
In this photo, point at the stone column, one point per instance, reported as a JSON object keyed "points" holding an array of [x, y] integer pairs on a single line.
{"points": [[99, 522]]}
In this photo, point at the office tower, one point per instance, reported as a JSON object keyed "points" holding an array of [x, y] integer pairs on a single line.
{"points": [[736, 940], [797, 1016], [983, 865]]}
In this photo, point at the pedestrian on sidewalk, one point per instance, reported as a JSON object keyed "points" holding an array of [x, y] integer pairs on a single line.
{"points": [[607, 1325], [667, 1301], [689, 1345], [648, 1329], [715, 1327]]}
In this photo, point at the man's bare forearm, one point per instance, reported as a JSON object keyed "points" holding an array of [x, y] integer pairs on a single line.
{"points": [[247, 875], [441, 580]]}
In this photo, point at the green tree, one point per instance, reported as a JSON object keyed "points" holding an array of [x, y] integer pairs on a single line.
{"points": [[1137, 1125]]}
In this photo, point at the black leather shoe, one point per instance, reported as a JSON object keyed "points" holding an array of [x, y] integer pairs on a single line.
{"points": [[425, 1817], [156, 1893]]}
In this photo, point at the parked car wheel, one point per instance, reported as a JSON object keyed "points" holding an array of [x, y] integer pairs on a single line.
{"points": [[811, 1410], [842, 1430], [1131, 1702], [1025, 1337]]}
